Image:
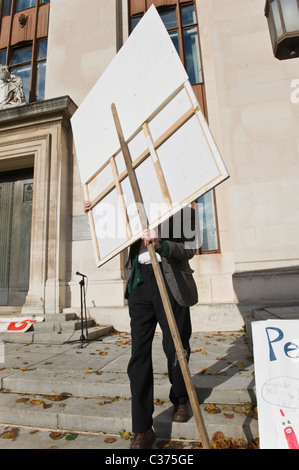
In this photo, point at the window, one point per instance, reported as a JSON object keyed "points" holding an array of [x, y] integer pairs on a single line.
{"points": [[7, 7], [22, 50], [21, 65], [24, 4], [180, 20], [208, 223], [3, 57], [41, 69], [185, 38]]}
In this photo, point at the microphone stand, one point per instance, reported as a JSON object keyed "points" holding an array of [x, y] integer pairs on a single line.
{"points": [[83, 307]]}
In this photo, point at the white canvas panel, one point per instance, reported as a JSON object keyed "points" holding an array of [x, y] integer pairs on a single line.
{"points": [[178, 106], [186, 162], [144, 73], [100, 182], [120, 163], [110, 230], [150, 191], [137, 145], [134, 220]]}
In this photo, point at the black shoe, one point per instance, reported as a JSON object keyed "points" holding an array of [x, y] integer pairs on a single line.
{"points": [[143, 440], [181, 413]]}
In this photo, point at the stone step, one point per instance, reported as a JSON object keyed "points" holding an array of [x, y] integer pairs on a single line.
{"points": [[94, 377], [90, 384], [56, 326], [113, 415], [54, 337]]}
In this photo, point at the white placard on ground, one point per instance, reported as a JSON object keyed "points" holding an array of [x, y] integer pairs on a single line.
{"points": [[276, 361]]}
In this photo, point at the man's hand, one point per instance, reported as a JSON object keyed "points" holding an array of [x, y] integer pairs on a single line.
{"points": [[150, 236], [87, 206]]}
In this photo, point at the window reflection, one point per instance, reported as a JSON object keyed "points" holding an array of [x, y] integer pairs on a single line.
{"points": [[40, 81], [42, 49], [7, 7], [192, 57], [169, 18], [175, 39], [24, 4], [22, 54], [3, 57], [25, 73], [188, 15]]}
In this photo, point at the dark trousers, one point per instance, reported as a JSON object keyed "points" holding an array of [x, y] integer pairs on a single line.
{"points": [[146, 309]]}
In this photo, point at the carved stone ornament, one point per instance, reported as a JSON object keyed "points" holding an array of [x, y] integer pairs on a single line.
{"points": [[11, 89], [23, 20]]}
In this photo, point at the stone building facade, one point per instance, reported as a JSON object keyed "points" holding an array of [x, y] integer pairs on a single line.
{"points": [[251, 102]]}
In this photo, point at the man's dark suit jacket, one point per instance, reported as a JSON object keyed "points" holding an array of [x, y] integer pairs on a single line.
{"points": [[176, 267]]}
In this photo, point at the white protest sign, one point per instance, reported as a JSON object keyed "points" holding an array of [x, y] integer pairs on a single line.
{"points": [[174, 156], [276, 361]]}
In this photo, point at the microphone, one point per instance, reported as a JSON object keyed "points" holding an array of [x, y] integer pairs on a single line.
{"points": [[79, 274]]}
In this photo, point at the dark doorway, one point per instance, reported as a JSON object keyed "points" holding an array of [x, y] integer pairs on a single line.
{"points": [[16, 192]]}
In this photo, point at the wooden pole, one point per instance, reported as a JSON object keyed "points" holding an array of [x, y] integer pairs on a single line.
{"points": [[181, 355]]}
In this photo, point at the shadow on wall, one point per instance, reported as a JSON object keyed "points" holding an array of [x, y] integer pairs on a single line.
{"points": [[267, 286]]}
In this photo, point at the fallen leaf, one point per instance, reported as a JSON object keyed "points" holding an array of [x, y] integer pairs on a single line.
{"points": [[60, 397], [12, 434], [71, 437], [229, 415], [212, 409], [203, 370], [36, 402], [197, 445], [102, 403], [239, 409], [47, 363], [57, 435], [34, 431], [22, 400], [46, 405], [110, 440], [158, 402]]}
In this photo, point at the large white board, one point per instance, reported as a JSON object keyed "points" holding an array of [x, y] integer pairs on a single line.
{"points": [[276, 362], [173, 153]]}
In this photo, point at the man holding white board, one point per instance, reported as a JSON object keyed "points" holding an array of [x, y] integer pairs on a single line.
{"points": [[146, 310]]}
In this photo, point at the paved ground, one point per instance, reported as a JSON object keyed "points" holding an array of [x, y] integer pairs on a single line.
{"points": [[64, 396]]}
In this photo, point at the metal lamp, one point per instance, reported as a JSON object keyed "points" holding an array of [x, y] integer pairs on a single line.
{"points": [[283, 22]]}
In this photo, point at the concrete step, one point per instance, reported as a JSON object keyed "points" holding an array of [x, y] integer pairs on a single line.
{"points": [[45, 335], [55, 326], [93, 376], [113, 415]]}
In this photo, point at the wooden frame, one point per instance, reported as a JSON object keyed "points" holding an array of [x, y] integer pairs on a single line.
{"points": [[168, 204]]}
